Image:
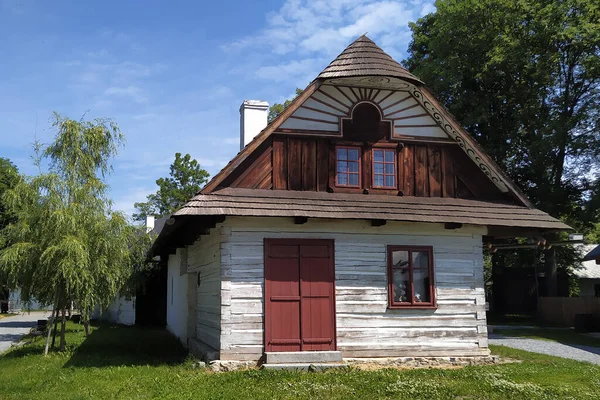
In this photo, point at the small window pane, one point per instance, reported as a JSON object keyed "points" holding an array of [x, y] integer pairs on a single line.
{"points": [[378, 155], [342, 166], [353, 154], [389, 156], [389, 181], [400, 258], [420, 259], [342, 154], [353, 166], [401, 286], [354, 179], [389, 169], [378, 168], [421, 281], [342, 179], [378, 180]]}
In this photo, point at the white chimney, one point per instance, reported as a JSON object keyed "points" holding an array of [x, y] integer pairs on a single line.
{"points": [[253, 119], [576, 236], [149, 223]]}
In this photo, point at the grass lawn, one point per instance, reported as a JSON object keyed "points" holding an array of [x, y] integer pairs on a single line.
{"points": [[134, 363], [566, 336]]}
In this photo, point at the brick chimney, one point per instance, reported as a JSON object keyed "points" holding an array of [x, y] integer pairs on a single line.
{"points": [[253, 119]]}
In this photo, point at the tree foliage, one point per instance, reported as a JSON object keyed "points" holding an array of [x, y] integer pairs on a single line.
{"points": [[65, 243], [9, 177], [524, 78], [185, 179], [278, 108]]}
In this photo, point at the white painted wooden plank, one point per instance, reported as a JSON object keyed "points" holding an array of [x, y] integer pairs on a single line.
{"points": [[435, 132], [306, 113], [292, 123], [333, 92], [320, 106]]}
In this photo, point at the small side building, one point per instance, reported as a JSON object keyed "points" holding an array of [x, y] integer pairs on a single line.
{"points": [[589, 273]]}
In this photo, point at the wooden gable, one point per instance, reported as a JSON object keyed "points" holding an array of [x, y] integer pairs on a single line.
{"points": [[365, 100]]}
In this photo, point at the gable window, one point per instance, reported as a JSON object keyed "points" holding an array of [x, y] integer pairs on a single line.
{"points": [[384, 169], [410, 277], [348, 166]]}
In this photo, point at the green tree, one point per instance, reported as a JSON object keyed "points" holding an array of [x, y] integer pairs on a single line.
{"points": [[9, 177], [185, 180], [66, 244], [524, 78], [278, 108]]}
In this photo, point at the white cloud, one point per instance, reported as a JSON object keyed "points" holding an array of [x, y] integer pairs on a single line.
{"points": [[303, 36], [299, 69], [125, 202], [133, 92], [326, 27]]}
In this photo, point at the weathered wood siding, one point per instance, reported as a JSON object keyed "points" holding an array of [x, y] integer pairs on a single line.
{"points": [[204, 258], [365, 327]]}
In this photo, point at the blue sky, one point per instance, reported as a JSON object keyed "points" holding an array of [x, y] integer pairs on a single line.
{"points": [[171, 74]]}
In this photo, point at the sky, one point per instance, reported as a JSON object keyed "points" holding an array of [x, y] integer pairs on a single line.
{"points": [[171, 74]]}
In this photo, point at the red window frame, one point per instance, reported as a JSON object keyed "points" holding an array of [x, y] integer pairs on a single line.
{"points": [[384, 175], [412, 303], [347, 172]]}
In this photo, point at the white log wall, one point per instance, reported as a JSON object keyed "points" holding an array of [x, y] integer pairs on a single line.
{"points": [[365, 326], [204, 258]]}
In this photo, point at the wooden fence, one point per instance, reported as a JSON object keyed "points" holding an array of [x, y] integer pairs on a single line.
{"points": [[561, 310]]}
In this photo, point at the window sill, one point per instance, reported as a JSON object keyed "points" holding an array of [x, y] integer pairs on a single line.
{"points": [[415, 307]]}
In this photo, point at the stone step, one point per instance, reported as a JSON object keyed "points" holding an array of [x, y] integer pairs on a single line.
{"points": [[304, 366], [302, 357]]}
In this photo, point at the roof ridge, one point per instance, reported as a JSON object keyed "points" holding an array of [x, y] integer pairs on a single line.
{"points": [[364, 48]]}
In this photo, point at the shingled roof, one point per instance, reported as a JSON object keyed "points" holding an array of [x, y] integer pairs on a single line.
{"points": [[594, 254], [364, 58], [289, 203]]}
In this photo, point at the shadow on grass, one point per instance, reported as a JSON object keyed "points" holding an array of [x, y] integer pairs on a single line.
{"points": [[113, 345]]}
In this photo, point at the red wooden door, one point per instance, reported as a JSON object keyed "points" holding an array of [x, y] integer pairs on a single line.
{"points": [[299, 295]]}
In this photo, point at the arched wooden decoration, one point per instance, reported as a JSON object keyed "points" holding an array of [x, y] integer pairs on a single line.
{"points": [[366, 124]]}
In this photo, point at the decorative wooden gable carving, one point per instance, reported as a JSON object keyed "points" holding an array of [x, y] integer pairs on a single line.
{"points": [[324, 112]]}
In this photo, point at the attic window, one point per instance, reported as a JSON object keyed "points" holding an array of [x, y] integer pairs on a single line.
{"points": [[347, 166], [384, 169]]}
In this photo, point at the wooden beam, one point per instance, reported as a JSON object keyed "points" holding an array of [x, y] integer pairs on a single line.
{"points": [[453, 225], [300, 220], [378, 222]]}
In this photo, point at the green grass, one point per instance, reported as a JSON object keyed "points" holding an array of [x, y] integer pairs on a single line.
{"points": [[134, 363], [565, 336]]}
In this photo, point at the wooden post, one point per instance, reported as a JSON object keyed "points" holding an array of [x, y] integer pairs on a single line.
{"points": [[498, 283], [550, 280]]}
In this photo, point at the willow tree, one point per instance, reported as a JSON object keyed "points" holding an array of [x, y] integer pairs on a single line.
{"points": [[65, 243]]}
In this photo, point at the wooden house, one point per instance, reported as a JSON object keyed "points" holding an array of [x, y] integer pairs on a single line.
{"points": [[353, 223]]}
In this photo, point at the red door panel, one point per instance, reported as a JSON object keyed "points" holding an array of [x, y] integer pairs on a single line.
{"points": [[283, 298], [299, 295], [316, 277]]}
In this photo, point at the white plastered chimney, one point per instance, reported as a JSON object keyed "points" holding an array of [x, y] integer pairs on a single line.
{"points": [[253, 119], [149, 223]]}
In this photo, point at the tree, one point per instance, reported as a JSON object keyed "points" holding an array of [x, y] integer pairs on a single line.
{"points": [[278, 108], [66, 244], [185, 180], [9, 177], [524, 77]]}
